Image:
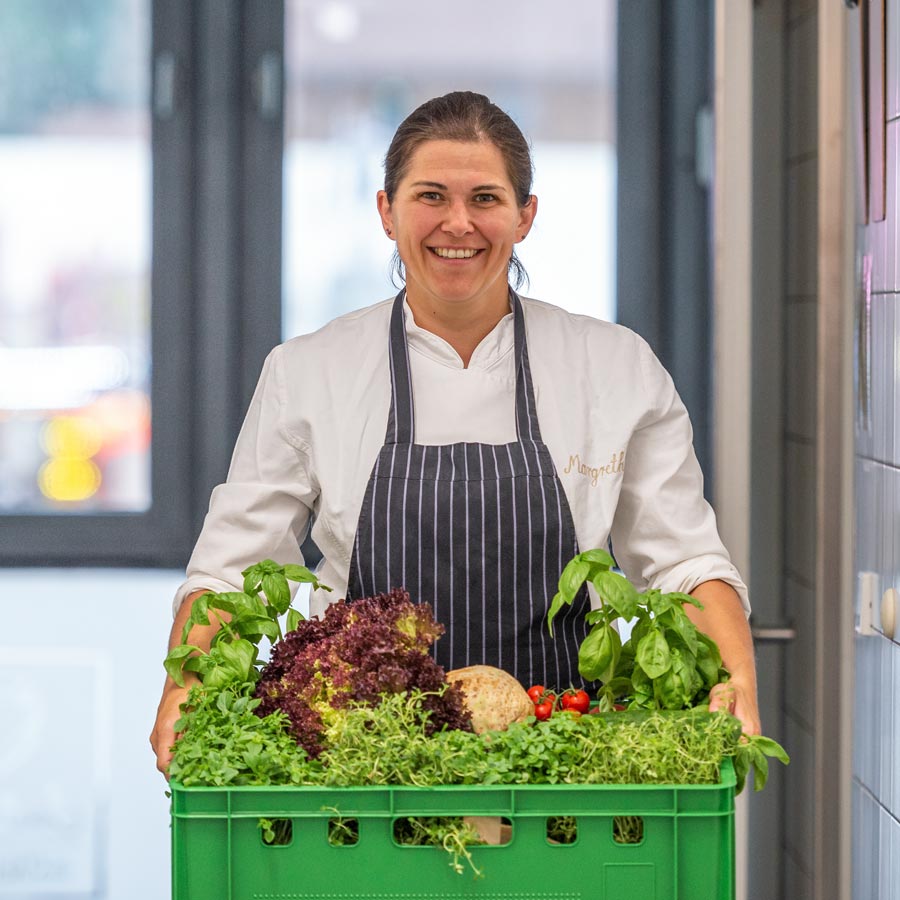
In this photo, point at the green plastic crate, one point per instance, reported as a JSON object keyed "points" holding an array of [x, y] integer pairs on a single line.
{"points": [[687, 850]]}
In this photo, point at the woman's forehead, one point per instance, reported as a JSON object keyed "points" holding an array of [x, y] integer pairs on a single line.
{"points": [[457, 158]]}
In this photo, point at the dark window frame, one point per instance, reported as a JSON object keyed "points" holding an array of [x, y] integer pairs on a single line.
{"points": [[215, 278], [664, 210]]}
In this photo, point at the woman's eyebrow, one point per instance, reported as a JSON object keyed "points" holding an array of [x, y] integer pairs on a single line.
{"points": [[443, 187]]}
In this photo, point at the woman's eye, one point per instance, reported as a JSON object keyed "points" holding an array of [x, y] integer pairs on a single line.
{"points": [[485, 198], [429, 195]]}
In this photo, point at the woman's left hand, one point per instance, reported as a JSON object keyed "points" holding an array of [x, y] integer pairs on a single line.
{"points": [[738, 699]]}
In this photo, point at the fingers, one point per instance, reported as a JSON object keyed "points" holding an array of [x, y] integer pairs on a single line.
{"points": [[734, 699], [161, 740], [723, 696], [163, 736]]}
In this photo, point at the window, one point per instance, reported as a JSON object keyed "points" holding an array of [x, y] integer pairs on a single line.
{"points": [[87, 475], [353, 72]]}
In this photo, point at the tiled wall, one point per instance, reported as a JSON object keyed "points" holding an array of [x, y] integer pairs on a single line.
{"points": [[800, 322], [876, 752]]}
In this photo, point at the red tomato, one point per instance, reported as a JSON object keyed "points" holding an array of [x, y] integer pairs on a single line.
{"points": [[579, 701], [536, 692], [543, 711]]}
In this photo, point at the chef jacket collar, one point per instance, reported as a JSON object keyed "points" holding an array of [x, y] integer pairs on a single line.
{"points": [[493, 347]]}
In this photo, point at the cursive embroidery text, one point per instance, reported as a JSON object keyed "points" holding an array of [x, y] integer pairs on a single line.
{"points": [[613, 467]]}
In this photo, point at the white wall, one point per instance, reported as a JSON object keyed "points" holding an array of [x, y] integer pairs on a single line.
{"points": [[83, 811]]}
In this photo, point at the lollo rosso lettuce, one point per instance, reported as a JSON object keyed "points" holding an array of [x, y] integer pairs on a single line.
{"points": [[354, 654]]}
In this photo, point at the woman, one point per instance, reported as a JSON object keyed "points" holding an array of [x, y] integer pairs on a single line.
{"points": [[463, 442]]}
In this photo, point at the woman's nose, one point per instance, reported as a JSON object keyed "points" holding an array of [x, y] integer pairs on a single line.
{"points": [[457, 220]]}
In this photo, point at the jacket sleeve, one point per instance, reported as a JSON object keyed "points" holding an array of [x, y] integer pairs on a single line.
{"points": [[664, 533], [263, 509]]}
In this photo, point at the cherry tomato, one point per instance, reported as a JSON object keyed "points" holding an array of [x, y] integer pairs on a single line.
{"points": [[576, 700], [536, 692], [543, 711]]}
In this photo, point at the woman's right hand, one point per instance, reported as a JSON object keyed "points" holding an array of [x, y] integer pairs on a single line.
{"points": [[163, 736]]}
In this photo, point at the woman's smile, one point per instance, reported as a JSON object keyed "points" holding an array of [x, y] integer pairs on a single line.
{"points": [[454, 252]]}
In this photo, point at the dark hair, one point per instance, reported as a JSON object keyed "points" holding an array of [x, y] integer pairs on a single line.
{"points": [[461, 116]]}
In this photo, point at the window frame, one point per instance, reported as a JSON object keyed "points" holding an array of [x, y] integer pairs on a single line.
{"points": [[216, 148]]}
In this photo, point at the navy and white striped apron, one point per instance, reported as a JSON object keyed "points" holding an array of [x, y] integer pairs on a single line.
{"points": [[479, 531]]}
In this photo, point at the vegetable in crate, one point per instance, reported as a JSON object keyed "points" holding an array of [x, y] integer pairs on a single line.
{"points": [[357, 651], [493, 697], [667, 662]]}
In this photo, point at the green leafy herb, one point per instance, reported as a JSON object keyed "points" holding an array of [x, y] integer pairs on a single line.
{"points": [[249, 616], [224, 742], [666, 663]]}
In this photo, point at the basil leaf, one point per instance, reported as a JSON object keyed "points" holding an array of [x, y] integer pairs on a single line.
{"points": [[294, 618], [618, 592], [277, 592], [653, 654], [712, 646], [685, 598], [669, 690], [299, 573], [707, 666], [770, 747], [556, 604], [235, 603], [760, 768], [659, 603], [572, 578], [597, 557], [677, 622], [254, 627], [599, 653], [174, 662]]}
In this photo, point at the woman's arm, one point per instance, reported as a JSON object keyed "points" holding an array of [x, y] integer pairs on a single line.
{"points": [[723, 618]]}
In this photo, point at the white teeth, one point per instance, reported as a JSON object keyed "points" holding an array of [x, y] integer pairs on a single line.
{"points": [[450, 253]]}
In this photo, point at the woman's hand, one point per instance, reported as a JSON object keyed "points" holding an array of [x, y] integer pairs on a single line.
{"points": [[724, 620], [163, 736], [740, 701]]}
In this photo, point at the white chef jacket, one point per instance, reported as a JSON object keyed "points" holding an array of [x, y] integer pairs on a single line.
{"points": [[609, 413]]}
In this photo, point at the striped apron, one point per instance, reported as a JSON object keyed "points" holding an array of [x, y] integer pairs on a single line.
{"points": [[479, 531]]}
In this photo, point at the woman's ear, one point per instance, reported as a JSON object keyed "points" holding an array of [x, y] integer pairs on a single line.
{"points": [[526, 217], [384, 210]]}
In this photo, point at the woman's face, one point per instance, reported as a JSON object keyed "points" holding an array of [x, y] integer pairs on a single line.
{"points": [[455, 219]]}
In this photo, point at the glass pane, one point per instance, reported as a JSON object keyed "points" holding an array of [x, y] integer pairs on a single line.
{"points": [[74, 256], [345, 98]]}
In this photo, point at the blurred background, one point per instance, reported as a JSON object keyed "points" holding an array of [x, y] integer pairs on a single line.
{"points": [[185, 183]]}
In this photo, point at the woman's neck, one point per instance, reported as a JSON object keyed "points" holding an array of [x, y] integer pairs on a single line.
{"points": [[463, 325]]}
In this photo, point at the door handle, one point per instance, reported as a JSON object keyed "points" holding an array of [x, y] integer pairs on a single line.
{"points": [[773, 633]]}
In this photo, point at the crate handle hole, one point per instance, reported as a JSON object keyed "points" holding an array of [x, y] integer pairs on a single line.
{"points": [[562, 829], [276, 832], [343, 832], [444, 831], [628, 829]]}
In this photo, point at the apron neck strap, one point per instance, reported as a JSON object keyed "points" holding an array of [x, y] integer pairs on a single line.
{"points": [[401, 418]]}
